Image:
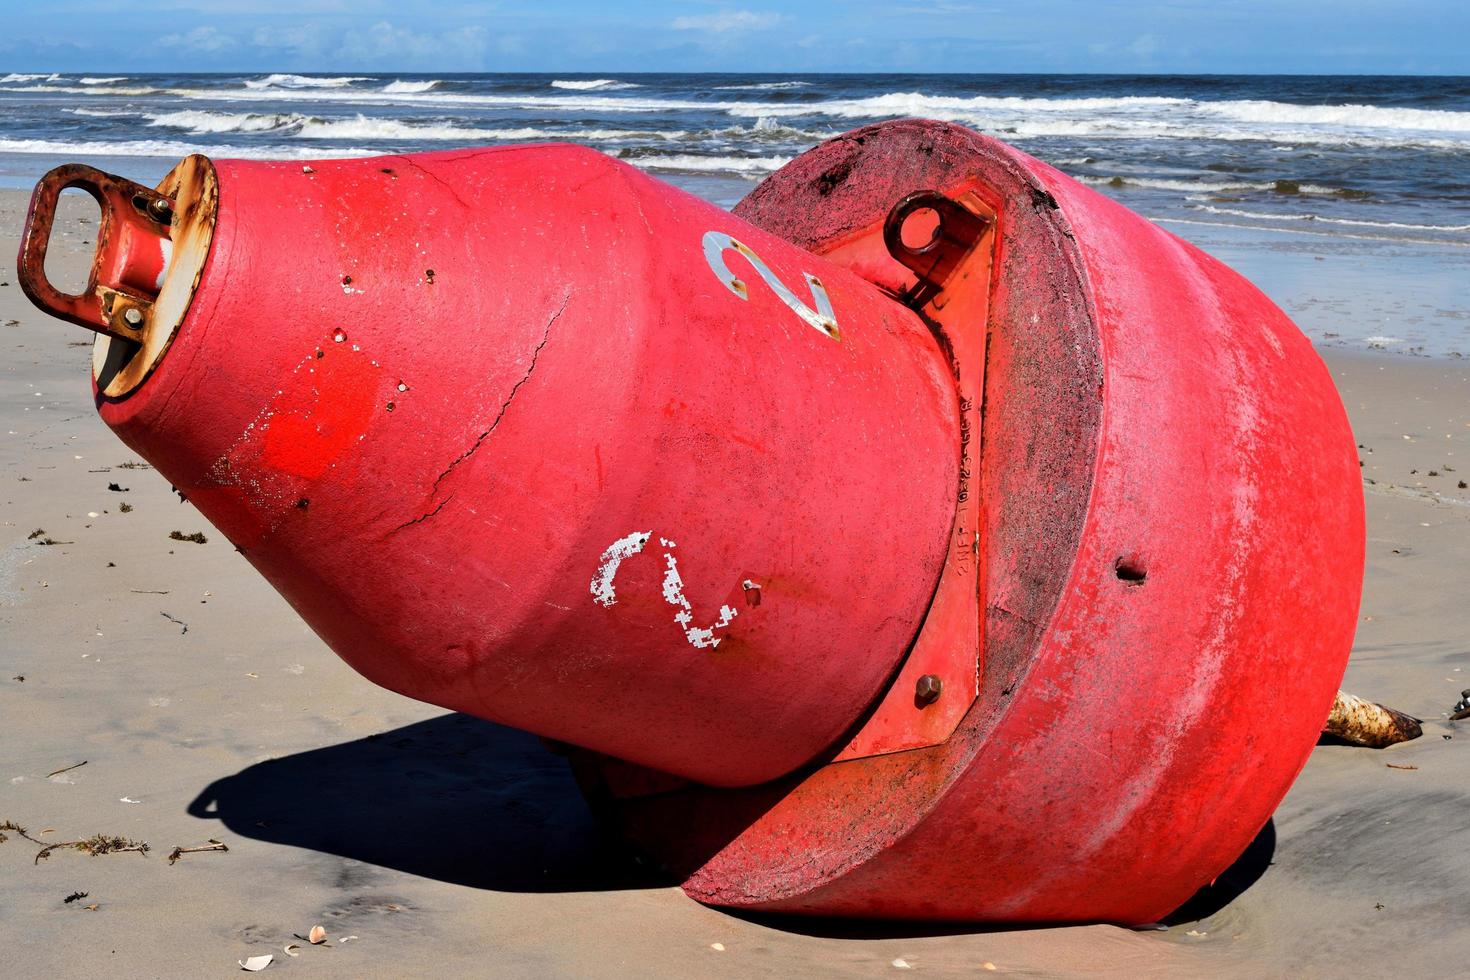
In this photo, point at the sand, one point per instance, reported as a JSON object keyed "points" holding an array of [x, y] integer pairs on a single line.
{"points": [[203, 708]]}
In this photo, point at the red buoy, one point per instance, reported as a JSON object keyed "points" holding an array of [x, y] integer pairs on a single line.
{"points": [[885, 548]]}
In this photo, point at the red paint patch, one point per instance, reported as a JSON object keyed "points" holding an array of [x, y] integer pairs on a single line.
{"points": [[330, 410], [323, 409]]}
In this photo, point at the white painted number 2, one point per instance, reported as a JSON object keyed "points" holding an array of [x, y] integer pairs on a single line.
{"points": [[717, 243], [604, 594]]}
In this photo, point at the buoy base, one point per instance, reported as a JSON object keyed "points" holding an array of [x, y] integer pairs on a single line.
{"points": [[1145, 560]]}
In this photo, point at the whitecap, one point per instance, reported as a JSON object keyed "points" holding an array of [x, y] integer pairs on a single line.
{"points": [[1350, 115], [104, 113], [591, 85], [368, 128], [763, 87], [401, 87], [288, 81], [110, 90], [1325, 220], [681, 162], [170, 149], [201, 122]]}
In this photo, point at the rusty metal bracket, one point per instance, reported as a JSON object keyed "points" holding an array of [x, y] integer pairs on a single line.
{"points": [[955, 234], [940, 679], [129, 261]]}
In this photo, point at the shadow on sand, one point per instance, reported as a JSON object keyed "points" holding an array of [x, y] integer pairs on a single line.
{"points": [[453, 798], [471, 803]]}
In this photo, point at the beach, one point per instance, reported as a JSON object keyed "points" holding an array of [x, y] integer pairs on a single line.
{"points": [[188, 703]]}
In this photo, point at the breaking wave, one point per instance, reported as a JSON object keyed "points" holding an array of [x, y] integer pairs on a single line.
{"points": [[918, 104], [361, 127], [592, 85], [111, 90], [570, 101], [102, 81], [689, 163], [304, 81], [1221, 187], [1152, 117], [763, 87], [401, 87], [196, 121], [105, 113], [1354, 116], [767, 130], [169, 149], [367, 128]]}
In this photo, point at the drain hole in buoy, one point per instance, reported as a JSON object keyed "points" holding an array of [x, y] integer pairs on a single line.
{"points": [[1130, 569]]}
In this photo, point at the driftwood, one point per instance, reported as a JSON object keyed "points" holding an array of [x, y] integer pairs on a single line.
{"points": [[1367, 724]]}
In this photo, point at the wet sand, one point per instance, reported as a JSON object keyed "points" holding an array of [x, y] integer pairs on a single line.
{"points": [[203, 708]]}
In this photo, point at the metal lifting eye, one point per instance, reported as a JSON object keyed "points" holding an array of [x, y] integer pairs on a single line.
{"points": [[132, 256], [920, 230], [956, 232]]}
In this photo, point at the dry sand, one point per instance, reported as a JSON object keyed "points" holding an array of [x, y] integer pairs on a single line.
{"points": [[453, 847]]}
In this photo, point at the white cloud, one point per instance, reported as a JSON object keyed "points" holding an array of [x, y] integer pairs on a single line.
{"points": [[726, 21], [389, 44], [201, 40], [303, 40]]}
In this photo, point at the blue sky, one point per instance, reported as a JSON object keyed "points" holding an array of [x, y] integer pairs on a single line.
{"points": [[1291, 36]]}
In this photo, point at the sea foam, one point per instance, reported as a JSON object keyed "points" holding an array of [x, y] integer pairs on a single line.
{"points": [[1325, 220], [368, 128], [689, 163], [363, 127], [171, 149]]}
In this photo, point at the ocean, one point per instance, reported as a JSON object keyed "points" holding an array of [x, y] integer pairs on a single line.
{"points": [[1379, 161]]}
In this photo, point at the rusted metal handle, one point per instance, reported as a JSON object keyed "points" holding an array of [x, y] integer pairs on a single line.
{"points": [[131, 257], [955, 234]]}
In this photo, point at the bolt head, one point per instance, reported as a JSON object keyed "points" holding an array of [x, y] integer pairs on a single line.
{"points": [[133, 316], [928, 689]]}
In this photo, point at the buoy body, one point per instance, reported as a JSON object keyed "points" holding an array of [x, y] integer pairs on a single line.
{"points": [[525, 433], [868, 574]]}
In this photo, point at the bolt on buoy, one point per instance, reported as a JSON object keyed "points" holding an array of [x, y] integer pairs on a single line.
{"points": [[928, 689]]}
